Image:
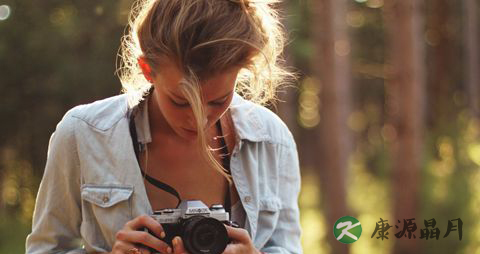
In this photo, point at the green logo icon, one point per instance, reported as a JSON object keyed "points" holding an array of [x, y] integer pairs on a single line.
{"points": [[347, 229]]}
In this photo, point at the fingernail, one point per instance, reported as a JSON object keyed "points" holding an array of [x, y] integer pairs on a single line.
{"points": [[169, 250], [162, 235], [175, 242]]}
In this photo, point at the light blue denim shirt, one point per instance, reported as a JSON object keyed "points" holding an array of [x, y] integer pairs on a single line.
{"points": [[92, 183]]}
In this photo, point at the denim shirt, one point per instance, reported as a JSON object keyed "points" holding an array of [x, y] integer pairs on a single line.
{"points": [[92, 183]]}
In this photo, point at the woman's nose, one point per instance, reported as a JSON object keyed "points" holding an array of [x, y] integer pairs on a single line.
{"points": [[210, 114], [192, 122]]}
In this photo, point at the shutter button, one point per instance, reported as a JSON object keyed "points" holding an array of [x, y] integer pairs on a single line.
{"points": [[106, 199]]}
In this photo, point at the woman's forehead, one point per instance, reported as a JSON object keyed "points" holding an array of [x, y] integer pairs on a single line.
{"points": [[214, 87]]}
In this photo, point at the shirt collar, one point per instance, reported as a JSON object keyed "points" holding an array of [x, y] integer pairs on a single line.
{"points": [[247, 121], [142, 123]]}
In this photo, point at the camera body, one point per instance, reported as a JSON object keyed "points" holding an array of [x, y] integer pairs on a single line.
{"points": [[200, 227]]}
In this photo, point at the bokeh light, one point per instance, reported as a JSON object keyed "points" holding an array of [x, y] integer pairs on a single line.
{"points": [[375, 3], [4, 12], [309, 102], [355, 19], [312, 218]]}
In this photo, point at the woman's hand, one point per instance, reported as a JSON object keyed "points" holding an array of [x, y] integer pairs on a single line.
{"points": [[130, 240], [241, 243]]}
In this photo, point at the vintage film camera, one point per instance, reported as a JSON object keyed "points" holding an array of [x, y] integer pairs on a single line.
{"points": [[201, 228]]}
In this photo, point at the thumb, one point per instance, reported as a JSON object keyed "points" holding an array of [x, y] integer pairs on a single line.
{"points": [[178, 247], [238, 234]]}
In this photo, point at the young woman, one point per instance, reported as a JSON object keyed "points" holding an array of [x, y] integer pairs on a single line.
{"points": [[179, 132]]}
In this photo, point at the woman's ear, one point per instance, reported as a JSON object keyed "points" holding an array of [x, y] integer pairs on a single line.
{"points": [[146, 70]]}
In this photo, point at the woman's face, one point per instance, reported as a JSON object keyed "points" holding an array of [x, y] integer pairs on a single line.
{"points": [[216, 94]]}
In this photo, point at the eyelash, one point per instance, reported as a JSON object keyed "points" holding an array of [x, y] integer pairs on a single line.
{"points": [[184, 105], [218, 104], [181, 105]]}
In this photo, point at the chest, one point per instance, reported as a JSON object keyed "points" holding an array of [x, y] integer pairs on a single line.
{"points": [[186, 171], [189, 176]]}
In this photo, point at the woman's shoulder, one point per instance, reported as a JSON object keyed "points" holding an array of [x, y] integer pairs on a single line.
{"points": [[255, 122], [101, 114]]}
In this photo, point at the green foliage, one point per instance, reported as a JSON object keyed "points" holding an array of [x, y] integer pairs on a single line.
{"points": [[12, 234], [58, 54]]}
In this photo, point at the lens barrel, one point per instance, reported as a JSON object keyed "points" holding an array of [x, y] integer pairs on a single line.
{"points": [[204, 235]]}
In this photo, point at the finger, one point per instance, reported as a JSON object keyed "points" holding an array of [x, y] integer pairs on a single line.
{"points": [[143, 221], [129, 250], [126, 247], [141, 237], [121, 246], [231, 249], [240, 248], [144, 250], [238, 234], [178, 247]]}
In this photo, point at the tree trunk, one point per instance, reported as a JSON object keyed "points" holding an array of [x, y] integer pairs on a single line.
{"points": [[472, 56], [406, 84], [441, 56], [332, 66]]}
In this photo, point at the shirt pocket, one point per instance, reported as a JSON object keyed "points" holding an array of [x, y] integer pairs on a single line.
{"points": [[106, 209], [106, 196], [269, 210]]}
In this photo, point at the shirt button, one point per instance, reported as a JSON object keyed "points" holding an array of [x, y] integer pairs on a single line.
{"points": [[105, 199], [247, 199]]}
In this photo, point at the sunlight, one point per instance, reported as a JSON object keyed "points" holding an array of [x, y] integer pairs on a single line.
{"points": [[369, 198], [474, 207]]}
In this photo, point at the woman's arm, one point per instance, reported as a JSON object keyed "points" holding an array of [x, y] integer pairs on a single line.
{"points": [[57, 215], [286, 237]]}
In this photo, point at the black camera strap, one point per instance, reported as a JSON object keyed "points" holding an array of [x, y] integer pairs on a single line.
{"points": [[165, 187], [155, 182]]}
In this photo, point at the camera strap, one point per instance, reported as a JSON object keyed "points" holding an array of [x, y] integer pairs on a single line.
{"points": [[165, 187]]}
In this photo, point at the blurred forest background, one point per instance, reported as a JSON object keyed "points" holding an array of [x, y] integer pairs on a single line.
{"points": [[385, 112]]}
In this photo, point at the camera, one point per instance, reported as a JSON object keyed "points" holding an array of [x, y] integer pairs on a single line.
{"points": [[201, 228]]}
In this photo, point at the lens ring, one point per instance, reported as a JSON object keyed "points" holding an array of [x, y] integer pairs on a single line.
{"points": [[204, 235]]}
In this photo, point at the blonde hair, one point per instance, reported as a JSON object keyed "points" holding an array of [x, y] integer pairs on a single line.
{"points": [[204, 38]]}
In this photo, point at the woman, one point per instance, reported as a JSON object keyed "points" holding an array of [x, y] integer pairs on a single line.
{"points": [[180, 132]]}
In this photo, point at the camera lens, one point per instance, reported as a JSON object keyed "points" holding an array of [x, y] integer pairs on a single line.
{"points": [[204, 235]]}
